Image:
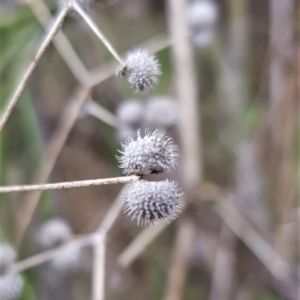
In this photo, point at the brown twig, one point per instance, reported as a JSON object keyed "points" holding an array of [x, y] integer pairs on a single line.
{"points": [[97, 32], [179, 262], [61, 42], [99, 267], [53, 28], [139, 244], [186, 94], [45, 256], [68, 185], [101, 113]]}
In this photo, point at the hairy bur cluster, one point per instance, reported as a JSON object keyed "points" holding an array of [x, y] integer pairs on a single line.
{"points": [[55, 233], [152, 153], [202, 16], [142, 70], [158, 112], [11, 283], [152, 203]]}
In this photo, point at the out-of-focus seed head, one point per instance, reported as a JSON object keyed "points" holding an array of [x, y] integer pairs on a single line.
{"points": [[142, 70], [161, 111], [126, 132], [68, 259], [11, 285], [152, 203], [152, 153], [202, 16], [130, 112], [7, 257], [54, 232]]}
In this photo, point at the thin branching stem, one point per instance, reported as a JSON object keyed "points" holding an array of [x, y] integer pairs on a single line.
{"points": [[49, 35], [76, 243], [45, 256], [101, 113], [98, 33], [98, 291], [60, 41], [68, 185]]}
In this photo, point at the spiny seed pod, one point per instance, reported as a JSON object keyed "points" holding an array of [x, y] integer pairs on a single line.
{"points": [[142, 70], [151, 202], [202, 16], [53, 233], [130, 112], [153, 153], [11, 283], [161, 111]]}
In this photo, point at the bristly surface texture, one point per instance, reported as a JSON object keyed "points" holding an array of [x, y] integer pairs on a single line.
{"points": [[153, 153], [142, 70], [152, 203]]}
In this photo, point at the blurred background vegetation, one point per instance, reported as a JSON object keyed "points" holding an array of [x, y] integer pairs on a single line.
{"points": [[247, 78]]}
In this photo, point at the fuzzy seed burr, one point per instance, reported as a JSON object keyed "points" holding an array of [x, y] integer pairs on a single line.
{"points": [[161, 111], [152, 203], [53, 233], [152, 153], [142, 70], [130, 112], [11, 283], [202, 17]]}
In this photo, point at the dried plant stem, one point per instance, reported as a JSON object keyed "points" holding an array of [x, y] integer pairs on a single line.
{"points": [[178, 265], [99, 268], [61, 42], [68, 185], [101, 113], [53, 28], [50, 254], [186, 93], [267, 255], [97, 32], [111, 215], [223, 271], [88, 239], [139, 244], [52, 149], [258, 245]]}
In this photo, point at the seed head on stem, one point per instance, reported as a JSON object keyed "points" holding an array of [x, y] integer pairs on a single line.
{"points": [[152, 203]]}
